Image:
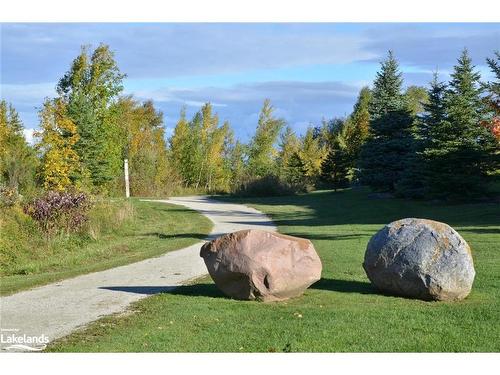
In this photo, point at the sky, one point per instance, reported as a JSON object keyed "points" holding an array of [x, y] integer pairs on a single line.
{"points": [[310, 71]]}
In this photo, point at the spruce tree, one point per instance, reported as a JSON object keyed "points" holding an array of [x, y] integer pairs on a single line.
{"points": [[385, 155], [414, 180], [461, 152], [492, 98], [335, 167]]}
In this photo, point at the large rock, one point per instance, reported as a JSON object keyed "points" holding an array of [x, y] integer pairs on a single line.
{"points": [[420, 258], [255, 264]]}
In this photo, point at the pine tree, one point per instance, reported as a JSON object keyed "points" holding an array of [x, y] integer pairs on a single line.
{"points": [[385, 155], [461, 153]]}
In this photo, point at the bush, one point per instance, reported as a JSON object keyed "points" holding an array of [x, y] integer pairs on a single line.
{"points": [[266, 186], [8, 196], [59, 211]]}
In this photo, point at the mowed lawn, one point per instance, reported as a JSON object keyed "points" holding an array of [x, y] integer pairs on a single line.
{"points": [[340, 313], [154, 229]]}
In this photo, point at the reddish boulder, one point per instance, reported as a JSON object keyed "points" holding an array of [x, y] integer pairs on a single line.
{"points": [[255, 264]]}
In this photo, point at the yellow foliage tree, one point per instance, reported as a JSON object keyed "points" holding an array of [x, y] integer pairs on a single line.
{"points": [[57, 137]]}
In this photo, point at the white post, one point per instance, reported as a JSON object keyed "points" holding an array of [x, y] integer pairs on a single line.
{"points": [[127, 186]]}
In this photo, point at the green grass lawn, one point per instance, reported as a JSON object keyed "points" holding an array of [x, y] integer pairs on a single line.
{"points": [[155, 228], [340, 313]]}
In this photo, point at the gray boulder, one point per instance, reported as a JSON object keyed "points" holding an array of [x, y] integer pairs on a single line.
{"points": [[420, 258]]}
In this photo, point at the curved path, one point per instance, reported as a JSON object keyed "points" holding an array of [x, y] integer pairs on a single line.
{"points": [[57, 309]]}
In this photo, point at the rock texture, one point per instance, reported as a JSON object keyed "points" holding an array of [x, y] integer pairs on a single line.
{"points": [[420, 258], [255, 264]]}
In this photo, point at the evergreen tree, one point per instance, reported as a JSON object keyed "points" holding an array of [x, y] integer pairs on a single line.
{"points": [[89, 88], [296, 170], [492, 98], [335, 167], [434, 112], [262, 153], [288, 146], [414, 180], [181, 149], [461, 153], [385, 154]]}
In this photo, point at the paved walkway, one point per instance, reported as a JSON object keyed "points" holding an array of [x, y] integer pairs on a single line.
{"points": [[57, 309]]}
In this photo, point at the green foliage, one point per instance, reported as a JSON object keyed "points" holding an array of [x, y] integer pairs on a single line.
{"points": [[386, 153], [261, 151], [201, 151], [18, 161], [417, 97], [182, 148], [144, 146], [492, 98], [358, 125], [299, 159], [460, 153], [335, 168], [60, 164], [89, 88], [289, 146], [266, 186]]}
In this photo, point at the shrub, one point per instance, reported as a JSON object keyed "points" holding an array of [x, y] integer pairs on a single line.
{"points": [[59, 211], [8, 196], [266, 186]]}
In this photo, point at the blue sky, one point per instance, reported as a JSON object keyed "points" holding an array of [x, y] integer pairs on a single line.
{"points": [[309, 71]]}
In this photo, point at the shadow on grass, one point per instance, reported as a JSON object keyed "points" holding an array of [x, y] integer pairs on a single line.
{"points": [[196, 290], [345, 286], [210, 290], [164, 236]]}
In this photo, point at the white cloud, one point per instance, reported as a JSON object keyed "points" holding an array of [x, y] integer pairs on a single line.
{"points": [[28, 135]]}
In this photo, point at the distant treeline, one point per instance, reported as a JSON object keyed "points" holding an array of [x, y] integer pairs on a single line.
{"points": [[436, 142]]}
